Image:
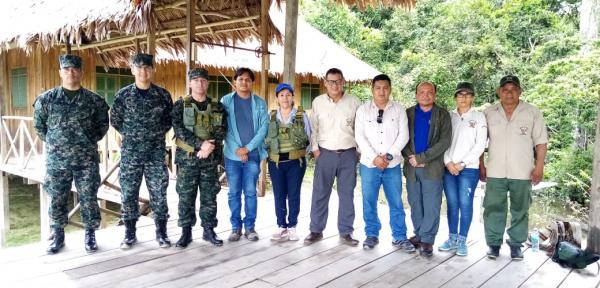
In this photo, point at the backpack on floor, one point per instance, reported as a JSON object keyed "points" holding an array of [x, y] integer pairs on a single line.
{"points": [[569, 255]]}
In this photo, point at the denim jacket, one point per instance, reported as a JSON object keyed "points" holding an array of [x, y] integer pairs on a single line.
{"points": [[260, 119]]}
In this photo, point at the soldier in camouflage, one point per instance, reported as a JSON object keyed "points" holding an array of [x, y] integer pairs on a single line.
{"points": [[71, 119], [200, 125], [142, 114]]}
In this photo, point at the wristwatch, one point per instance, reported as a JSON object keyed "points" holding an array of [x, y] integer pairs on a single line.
{"points": [[389, 157]]}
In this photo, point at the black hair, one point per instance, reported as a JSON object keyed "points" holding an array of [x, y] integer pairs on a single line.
{"points": [[381, 77], [334, 71], [426, 82], [243, 70]]}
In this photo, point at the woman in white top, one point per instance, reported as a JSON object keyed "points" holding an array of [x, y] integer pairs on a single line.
{"points": [[469, 136]]}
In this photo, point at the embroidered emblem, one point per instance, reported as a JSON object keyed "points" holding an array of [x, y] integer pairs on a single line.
{"points": [[472, 123], [349, 122], [524, 130]]}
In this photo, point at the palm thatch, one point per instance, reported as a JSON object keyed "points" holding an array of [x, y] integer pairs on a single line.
{"points": [[115, 29], [311, 59], [363, 4]]}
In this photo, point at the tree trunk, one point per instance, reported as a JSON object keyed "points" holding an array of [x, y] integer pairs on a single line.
{"points": [[589, 12], [593, 243]]}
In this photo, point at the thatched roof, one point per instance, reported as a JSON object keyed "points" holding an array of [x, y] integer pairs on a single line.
{"points": [[315, 53], [362, 4], [112, 27]]}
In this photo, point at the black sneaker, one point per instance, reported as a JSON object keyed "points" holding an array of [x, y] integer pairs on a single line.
{"points": [[370, 242], [493, 252], [515, 253]]}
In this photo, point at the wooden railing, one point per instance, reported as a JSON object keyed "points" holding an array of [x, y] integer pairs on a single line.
{"points": [[18, 143]]}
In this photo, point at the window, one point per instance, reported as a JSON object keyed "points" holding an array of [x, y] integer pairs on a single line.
{"points": [[108, 83], [308, 92], [19, 88], [218, 86]]}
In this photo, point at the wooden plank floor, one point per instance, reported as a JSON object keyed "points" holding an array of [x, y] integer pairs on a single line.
{"points": [[271, 264]]}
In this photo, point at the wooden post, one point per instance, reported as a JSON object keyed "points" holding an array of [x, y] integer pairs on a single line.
{"points": [[593, 244], [189, 44], [68, 46], [264, 80], [44, 218], [289, 46], [4, 208]]}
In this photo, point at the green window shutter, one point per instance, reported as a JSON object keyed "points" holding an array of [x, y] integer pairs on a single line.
{"points": [[305, 96], [19, 88], [101, 85]]}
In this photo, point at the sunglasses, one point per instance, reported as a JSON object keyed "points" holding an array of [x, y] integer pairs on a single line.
{"points": [[380, 116]]}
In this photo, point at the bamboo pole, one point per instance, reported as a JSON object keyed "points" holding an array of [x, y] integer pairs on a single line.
{"points": [[189, 44], [264, 80]]}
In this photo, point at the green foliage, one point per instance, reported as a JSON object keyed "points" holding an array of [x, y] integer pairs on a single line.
{"points": [[480, 41]]}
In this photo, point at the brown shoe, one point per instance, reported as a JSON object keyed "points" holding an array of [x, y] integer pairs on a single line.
{"points": [[426, 249], [415, 240], [312, 238], [348, 240]]}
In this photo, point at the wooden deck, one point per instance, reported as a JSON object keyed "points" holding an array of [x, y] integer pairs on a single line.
{"points": [[269, 264]]}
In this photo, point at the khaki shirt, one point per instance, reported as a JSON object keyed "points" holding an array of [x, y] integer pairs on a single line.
{"points": [[511, 143], [332, 123]]}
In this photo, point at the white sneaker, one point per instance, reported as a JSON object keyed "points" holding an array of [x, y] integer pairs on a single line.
{"points": [[280, 235], [292, 235]]}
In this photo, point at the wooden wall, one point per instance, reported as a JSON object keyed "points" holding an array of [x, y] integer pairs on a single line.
{"points": [[42, 71]]}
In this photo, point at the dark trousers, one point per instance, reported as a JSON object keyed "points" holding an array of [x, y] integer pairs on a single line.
{"points": [[286, 178], [329, 166], [425, 199]]}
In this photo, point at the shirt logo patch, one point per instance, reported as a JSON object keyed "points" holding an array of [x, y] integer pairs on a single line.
{"points": [[349, 122], [523, 130], [472, 123]]}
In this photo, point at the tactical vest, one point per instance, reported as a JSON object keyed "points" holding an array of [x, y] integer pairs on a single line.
{"points": [[201, 123], [287, 138]]}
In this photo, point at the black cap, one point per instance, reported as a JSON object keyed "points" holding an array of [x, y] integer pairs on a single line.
{"points": [[464, 86], [69, 60], [142, 59], [510, 79], [197, 73]]}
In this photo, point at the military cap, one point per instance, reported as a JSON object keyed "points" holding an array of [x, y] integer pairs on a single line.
{"points": [[69, 60], [196, 73], [510, 79], [142, 59], [284, 86], [464, 87]]}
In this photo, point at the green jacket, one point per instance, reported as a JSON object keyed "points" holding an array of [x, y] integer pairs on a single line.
{"points": [[439, 140]]}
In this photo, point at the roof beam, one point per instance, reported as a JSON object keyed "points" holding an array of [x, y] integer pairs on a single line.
{"points": [[167, 31]]}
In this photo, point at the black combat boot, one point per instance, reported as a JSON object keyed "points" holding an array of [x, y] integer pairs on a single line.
{"points": [[161, 233], [210, 236], [90, 241], [130, 238], [186, 237], [58, 241]]}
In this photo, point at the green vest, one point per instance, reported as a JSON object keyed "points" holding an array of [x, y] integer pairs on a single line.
{"points": [[286, 138], [201, 123]]}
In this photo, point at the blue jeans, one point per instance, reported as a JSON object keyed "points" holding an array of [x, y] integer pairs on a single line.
{"points": [[286, 178], [242, 177], [391, 178], [459, 191]]}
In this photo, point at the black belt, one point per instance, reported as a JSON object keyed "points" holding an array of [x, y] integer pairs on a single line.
{"points": [[338, 150]]}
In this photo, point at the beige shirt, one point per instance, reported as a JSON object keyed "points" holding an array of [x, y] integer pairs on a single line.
{"points": [[377, 139], [332, 123], [511, 143]]}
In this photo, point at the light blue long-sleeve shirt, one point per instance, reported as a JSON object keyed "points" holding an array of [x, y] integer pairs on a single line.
{"points": [[260, 119]]}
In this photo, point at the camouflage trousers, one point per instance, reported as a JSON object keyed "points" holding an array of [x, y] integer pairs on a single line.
{"points": [[157, 180], [189, 179], [58, 185]]}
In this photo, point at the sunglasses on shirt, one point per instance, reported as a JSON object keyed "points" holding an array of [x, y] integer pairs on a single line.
{"points": [[380, 116]]}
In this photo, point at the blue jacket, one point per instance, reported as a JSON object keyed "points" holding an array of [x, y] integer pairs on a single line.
{"points": [[260, 119]]}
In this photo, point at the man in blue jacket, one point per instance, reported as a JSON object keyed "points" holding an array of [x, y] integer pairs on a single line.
{"points": [[248, 122]]}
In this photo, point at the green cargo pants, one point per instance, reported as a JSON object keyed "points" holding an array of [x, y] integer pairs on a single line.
{"points": [[495, 205]]}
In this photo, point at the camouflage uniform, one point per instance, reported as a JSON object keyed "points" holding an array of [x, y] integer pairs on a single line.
{"points": [[71, 128], [194, 173], [143, 122]]}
